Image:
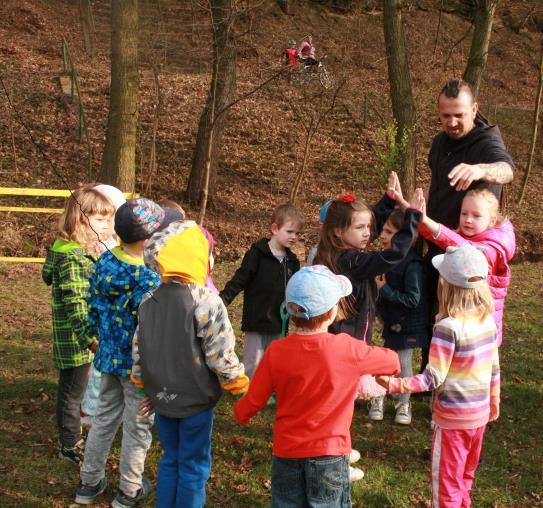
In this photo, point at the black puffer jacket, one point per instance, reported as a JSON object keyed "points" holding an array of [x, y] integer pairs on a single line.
{"points": [[263, 279]]}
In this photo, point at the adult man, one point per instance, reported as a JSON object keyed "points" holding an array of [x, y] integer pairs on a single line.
{"points": [[467, 154]]}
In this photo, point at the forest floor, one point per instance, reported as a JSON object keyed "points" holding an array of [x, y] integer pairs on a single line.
{"points": [[263, 141], [397, 474]]}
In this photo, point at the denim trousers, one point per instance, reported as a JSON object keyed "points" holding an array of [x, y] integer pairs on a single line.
{"points": [[313, 482], [185, 466], [118, 401], [71, 388]]}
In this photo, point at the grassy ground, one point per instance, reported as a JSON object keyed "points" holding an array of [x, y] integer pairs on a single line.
{"points": [[396, 473]]}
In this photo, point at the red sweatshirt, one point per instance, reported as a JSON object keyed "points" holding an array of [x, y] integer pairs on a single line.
{"points": [[315, 379]]}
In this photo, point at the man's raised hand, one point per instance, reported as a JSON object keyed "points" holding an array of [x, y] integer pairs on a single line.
{"points": [[463, 175]]}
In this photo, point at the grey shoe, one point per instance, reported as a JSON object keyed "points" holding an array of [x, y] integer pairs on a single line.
{"points": [[86, 494], [123, 501], [376, 412], [403, 413]]}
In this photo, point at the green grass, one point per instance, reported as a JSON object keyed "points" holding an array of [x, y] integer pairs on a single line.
{"points": [[396, 473]]}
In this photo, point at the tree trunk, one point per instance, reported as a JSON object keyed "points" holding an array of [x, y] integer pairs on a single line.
{"points": [[534, 128], [119, 159], [221, 94], [484, 14], [403, 105]]}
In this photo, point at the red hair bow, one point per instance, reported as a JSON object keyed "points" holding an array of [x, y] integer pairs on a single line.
{"points": [[348, 198]]}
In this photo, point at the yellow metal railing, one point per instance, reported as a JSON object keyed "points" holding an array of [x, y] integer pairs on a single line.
{"points": [[56, 193]]}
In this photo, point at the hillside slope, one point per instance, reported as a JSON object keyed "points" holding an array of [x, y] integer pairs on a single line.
{"points": [[262, 145]]}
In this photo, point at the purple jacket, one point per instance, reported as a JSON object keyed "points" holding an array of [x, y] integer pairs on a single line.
{"points": [[500, 248]]}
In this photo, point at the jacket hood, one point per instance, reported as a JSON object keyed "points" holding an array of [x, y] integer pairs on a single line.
{"points": [[123, 272], [181, 250], [64, 246], [481, 130], [263, 246]]}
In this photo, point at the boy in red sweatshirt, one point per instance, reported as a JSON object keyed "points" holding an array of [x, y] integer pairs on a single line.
{"points": [[314, 375]]}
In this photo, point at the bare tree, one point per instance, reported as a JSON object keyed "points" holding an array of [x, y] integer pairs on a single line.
{"points": [[119, 159], [484, 14], [312, 105], [403, 105], [535, 124], [221, 93]]}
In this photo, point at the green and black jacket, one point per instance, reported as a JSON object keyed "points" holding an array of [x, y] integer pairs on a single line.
{"points": [[67, 270]]}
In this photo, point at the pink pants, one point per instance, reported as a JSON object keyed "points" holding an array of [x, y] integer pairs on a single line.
{"points": [[455, 457]]}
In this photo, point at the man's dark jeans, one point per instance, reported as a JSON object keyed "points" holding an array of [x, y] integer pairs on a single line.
{"points": [[315, 482], [71, 388]]}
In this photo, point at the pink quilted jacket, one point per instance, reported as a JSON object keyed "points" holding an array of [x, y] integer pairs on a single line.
{"points": [[500, 248]]}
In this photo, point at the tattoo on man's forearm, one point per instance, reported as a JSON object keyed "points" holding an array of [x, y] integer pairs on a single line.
{"points": [[498, 172]]}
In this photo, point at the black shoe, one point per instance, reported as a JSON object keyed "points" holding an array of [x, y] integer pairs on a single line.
{"points": [[426, 454], [74, 453]]}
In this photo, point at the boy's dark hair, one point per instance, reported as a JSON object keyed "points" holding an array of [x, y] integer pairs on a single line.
{"points": [[310, 323], [287, 212], [397, 219], [453, 87]]}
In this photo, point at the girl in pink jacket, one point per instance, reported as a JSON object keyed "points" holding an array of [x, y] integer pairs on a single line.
{"points": [[481, 224]]}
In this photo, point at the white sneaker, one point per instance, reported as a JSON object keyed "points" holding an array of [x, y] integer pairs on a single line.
{"points": [[376, 412], [355, 474], [354, 456], [403, 413]]}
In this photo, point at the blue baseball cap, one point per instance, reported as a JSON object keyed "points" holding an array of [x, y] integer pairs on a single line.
{"points": [[316, 289], [324, 209]]}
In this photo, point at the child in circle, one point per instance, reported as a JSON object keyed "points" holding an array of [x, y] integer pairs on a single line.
{"points": [[463, 368], [402, 307], [263, 276], [184, 357], [87, 217], [314, 375], [349, 227], [119, 282], [481, 224]]}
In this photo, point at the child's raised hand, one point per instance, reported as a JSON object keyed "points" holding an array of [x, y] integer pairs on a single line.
{"points": [[394, 189], [418, 202]]}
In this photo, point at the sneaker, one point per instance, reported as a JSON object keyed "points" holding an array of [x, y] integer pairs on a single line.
{"points": [[354, 456], [74, 453], [355, 474], [377, 409], [86, 494], [123, 501], [403, 413]]}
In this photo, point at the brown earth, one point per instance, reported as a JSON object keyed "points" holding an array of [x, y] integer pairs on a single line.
{"points": [[262, 146]]}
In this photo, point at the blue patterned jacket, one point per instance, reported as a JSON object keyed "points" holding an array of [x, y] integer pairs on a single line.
{"points": [[117, 285]]}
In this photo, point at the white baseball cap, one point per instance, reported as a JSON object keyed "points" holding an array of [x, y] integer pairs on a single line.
{"points": [[464, 266]]}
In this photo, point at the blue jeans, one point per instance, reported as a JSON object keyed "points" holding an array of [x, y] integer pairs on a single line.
{"points": [[314, 482], [186, 464]]}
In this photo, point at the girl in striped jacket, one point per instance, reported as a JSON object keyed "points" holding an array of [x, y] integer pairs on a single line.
{"points": [[463, 368]]}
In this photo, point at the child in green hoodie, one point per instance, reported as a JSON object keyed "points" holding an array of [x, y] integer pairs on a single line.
{"points": [[87, 217]]}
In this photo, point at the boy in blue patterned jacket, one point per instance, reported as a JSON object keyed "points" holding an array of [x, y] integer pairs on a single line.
{"points": [[119, 282]]}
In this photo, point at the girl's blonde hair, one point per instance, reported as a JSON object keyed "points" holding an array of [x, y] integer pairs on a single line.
{"points": [[455, 301], [73, 223], [339, 217], [491, 201]]}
